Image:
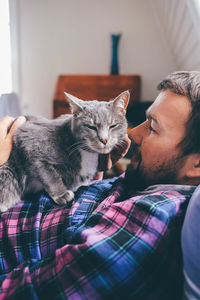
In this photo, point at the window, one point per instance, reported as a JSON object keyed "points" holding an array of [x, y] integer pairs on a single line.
{"points": [[5, 49]]}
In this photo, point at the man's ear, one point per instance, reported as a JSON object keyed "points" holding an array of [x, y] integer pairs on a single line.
{"points": [[193, 166]]}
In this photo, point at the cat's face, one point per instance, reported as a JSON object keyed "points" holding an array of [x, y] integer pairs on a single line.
{"points": [[99, 125]]}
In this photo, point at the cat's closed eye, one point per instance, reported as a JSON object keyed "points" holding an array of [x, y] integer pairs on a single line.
{"points": [[114, 125], [90, 127]]}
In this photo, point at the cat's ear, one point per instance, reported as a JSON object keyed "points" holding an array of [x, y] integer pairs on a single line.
{"points": [[74, 102], [121, 101]]}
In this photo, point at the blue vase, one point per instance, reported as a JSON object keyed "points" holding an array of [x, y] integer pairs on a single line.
{"points": [[114, 62]]}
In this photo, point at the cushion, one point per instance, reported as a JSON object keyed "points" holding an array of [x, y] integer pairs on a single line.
{"points": [[191, 247]]}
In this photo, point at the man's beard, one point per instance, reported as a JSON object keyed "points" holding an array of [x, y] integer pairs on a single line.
{"points": [[140, 178]]}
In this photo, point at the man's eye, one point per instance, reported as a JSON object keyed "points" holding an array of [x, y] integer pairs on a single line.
{"points": [[113, 126], [151, 128], [91, 127]]}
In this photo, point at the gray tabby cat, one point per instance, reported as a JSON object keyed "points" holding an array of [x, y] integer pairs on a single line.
{"points": [[62, 154]]}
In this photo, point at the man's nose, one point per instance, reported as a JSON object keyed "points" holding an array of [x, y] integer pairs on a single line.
{"points": [[136, 134]]}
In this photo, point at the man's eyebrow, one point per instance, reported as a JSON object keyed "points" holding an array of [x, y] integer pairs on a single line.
{"points": [[150, 116]]}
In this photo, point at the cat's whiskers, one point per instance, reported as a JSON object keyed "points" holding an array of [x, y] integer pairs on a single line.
{"points": [[84, 148], [75, 150], [76, 147]]}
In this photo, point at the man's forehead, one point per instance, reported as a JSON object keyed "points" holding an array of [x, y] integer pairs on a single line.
{"points": [[170, 108]]}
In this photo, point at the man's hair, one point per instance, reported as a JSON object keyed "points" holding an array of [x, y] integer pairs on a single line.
{"points": [[187, 84]]}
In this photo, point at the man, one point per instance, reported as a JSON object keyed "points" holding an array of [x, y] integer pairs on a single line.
{"points": [[115, 242]]}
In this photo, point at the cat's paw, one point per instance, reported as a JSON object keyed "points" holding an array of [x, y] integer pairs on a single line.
{"points": [[66, 198], [4, 208]]}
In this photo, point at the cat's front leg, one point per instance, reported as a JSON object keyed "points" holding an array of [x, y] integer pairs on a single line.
{"points": [[54, 186], [68, 196], [10, 189]]}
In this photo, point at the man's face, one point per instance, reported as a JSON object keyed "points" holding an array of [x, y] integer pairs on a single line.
{"points": [[156, 157]]}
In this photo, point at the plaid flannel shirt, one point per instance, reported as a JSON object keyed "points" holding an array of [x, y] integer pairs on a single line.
{"points": [[100, 248]]}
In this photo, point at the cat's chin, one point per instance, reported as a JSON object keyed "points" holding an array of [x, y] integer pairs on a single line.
{"points": [[99, 150], [104, 150]]}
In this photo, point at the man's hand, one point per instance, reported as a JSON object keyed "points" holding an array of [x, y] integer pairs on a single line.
{"points": [[106, 161], [6, 137]]}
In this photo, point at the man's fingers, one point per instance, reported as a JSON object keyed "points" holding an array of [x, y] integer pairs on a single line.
{"points": [[121, 150], [17, 123], [5, 122], [106, 161], [7, 128], [127, 143]]}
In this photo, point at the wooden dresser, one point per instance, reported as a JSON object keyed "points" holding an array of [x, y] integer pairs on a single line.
{"points": [[90, 87]]}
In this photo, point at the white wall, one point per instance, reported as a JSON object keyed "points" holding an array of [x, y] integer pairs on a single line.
{"points": [[73, 36]]}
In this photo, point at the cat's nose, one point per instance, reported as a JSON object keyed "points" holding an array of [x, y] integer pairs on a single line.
{"points": [[104, 141]]}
